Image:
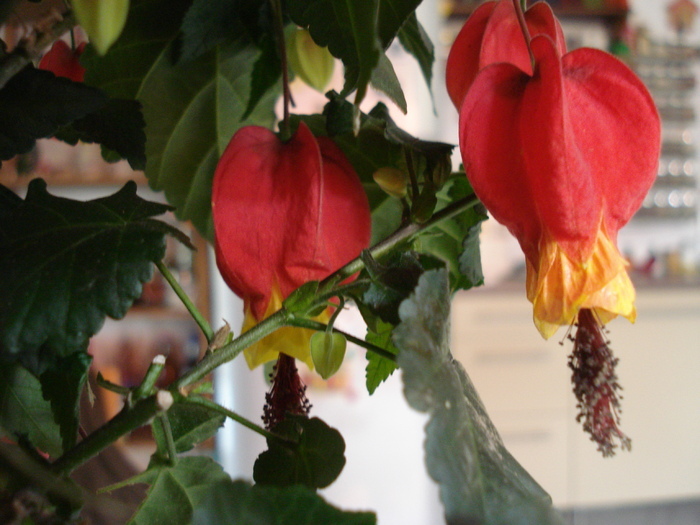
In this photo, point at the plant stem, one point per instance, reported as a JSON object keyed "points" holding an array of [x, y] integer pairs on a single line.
{"points": [[321, 327], [130, 418], [215, 407], [230, 351], [169, 441], [191, 308], [402, 235], [146, 387]]}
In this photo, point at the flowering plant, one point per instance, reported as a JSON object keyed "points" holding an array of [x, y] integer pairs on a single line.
{"points": [[306, 214]]}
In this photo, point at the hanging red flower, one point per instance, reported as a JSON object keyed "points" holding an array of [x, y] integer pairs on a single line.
{"points": [[562, 150], [63, 61], [284, 213]]}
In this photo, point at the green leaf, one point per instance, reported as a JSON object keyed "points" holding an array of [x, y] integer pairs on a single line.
{"points": [[66, 264], [191, 108], [315, 459], [62, 385], [385, 80], [238, 502], [190, 425], [35, 104], [266, 73], [175, 490], [480, 482], [25, 412], [209, 23], [349, 29], [379, 368], [392, 16], [117, 126], [416, 41], [456, 240]]}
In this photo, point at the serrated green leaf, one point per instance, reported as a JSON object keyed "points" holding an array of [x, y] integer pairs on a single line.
{"points": [[456, 240], [266, 73], [175, 491], [240, 503], [349, 29], [191, 109], [416, 41], [480, 482], [65, 265], [28, 113], [379, 368], [315, 459], [117, 126], [190, 425], [61, 385], [384, 79], [25, 412]]}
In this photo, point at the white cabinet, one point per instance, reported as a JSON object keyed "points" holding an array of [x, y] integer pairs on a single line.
{"points": [[524, 382]]}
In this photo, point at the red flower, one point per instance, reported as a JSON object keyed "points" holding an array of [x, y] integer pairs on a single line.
{"points": [[63, 61], [284, 213], [563, 157], [562, 149], [491, 35]]}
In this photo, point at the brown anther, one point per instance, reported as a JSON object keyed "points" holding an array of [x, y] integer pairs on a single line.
{"points": [[287, 394], [595, 384]]}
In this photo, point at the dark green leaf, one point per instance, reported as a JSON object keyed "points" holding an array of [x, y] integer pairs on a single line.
{"points": [[61, 385], [379, 368], [191, 109], [65, 265], [266, 74], [25, 412], [315, 459], [237, 502], [190, 425], [349, 29], [393, 280], [384, 79], [392, 16], [35, 104], [416, 41], [456, 240], [209, 23], [117, 126], [175, 490], [480, 482]]}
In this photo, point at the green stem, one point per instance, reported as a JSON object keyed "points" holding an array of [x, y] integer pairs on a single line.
{"points": [[130, 418], [148, 384], [191, 308], [230, 351], [402, 235], [215, 407], [321, 327], [169, 441]]}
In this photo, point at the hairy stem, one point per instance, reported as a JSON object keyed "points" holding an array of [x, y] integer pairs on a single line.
{"points": [[191, 308], [278, 23]]}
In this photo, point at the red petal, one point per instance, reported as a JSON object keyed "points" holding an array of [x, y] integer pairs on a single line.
{"points": [[555, 151], [284, 213], [463, 60], [62, 61]]}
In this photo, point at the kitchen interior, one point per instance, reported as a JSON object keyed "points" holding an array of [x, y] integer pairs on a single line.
{"points": [[523, 380]]}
